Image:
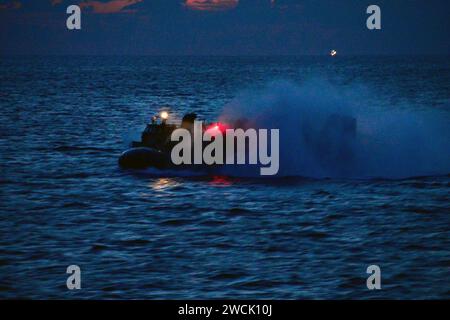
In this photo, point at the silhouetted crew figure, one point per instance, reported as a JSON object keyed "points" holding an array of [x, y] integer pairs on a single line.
{"points": [[188, 122]]}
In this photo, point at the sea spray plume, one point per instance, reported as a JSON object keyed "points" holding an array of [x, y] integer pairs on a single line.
{"points": [[326, 131]]}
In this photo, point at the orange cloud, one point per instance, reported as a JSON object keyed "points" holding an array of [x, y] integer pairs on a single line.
{"points": [[211, 5], [113, 6], [55, 2], [10, 5]]}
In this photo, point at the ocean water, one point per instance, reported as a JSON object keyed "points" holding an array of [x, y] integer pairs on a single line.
{"points": [[309, 233]]}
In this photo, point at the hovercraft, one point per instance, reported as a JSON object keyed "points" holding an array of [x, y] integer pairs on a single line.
{"points": [[331, 143]]}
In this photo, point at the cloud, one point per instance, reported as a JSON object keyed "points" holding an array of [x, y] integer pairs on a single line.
{"points": [[211, 5], [10, 5], [113, 6]]}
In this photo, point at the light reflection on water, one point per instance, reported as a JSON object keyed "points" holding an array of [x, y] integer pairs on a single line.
{"points": [[163, 184]]}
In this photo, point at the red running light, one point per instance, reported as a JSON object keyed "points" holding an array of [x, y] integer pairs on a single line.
{"points": [[217, 128]]}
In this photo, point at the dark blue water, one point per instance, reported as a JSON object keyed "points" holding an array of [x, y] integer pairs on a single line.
{"points": [[63, 199]]}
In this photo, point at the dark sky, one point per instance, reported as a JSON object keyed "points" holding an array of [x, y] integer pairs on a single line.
{"points": [[224, 27]]}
